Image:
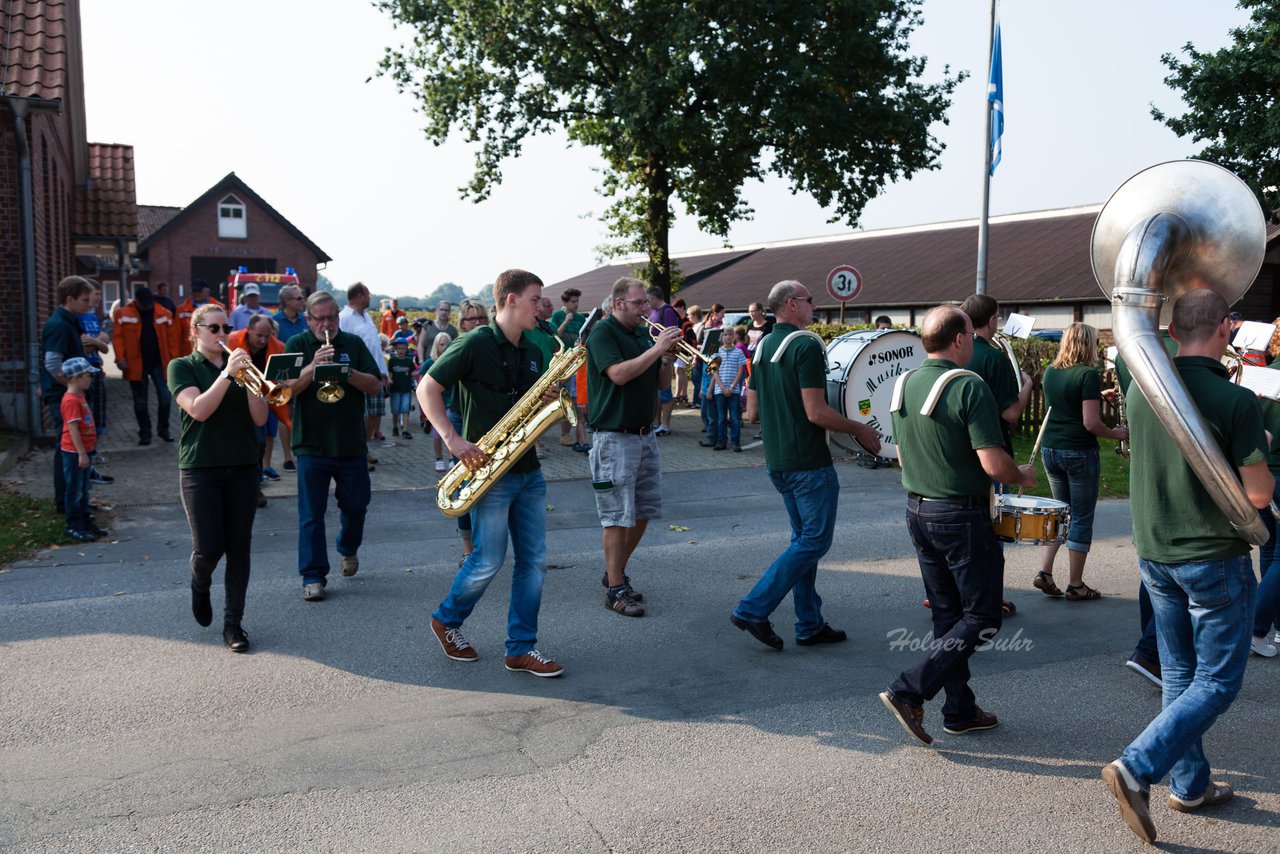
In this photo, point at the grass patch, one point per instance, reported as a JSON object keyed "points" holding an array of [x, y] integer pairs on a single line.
{"points": [[1114, 469], [30, 525]]}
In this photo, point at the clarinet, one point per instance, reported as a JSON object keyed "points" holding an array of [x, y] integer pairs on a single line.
{"points": [[1122, 446]]}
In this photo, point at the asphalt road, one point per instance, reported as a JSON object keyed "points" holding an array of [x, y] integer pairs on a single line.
{"points": [[128, 727]]}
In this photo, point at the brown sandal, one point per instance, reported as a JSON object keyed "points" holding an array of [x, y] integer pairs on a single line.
{"points": [[1044, 583], [1007, 608], [1081, 593]]}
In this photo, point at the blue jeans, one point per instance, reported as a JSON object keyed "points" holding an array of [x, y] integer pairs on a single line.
{"points": [[708, 409], [156, 377], [962, 566], [1074, 477], [810, 498], [515, 506], [76, 498], [1147, 646], [1202, 620], [350, 476], [1267, 610], [728, 419]]}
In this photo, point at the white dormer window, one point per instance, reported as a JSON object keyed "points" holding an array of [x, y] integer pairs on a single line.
{"points": [[231, 222]]}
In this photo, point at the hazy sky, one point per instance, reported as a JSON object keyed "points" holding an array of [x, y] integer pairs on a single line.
{"points": [[276, 91]]}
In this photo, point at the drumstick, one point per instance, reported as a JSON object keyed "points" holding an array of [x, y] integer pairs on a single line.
{"points": [[1035, 449]]}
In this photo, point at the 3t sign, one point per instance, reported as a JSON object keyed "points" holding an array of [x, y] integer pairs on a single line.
{"points": [[844, 283]]}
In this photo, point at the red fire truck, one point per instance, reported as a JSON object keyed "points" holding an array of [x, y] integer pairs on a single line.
{"points": [[269, 285]]}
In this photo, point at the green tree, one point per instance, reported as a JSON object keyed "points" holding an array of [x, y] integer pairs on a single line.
{"points": [[448, 291], [1231, 97], [683, 98], [323, 283]]}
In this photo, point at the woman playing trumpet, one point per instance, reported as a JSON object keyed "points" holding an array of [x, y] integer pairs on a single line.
{"points": [[218, 465]]}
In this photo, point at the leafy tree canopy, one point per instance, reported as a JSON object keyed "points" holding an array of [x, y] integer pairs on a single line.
{"points": [[1231, 97], [687, 98]]}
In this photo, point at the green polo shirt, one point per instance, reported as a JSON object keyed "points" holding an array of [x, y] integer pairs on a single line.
{"points": [[489, 375], [619, 407], [570, 336], [1123, 377], [1066, 390], [792, 442], [990, 362], [331, 429], [544, 341], [1174, 519], [938, 452], [228, 437]]}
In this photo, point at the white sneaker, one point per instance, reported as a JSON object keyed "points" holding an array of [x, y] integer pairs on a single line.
{"points": [[441, 466], [1276, 639], [1262, 646]]}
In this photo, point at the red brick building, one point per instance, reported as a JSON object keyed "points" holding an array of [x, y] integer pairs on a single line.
{"points": [[227, 227]]}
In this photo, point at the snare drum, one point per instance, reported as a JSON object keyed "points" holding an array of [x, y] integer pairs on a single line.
{"points": [[1031, 521], [862, 368]]}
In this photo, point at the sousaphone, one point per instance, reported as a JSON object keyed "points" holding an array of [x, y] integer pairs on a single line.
{"points": [[1171, 228]]}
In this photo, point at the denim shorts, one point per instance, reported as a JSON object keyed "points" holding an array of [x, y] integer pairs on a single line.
{"points": [[1074, 477], [401, 402], [625, 478]]}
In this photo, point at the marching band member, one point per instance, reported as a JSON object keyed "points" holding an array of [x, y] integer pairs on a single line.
{"points": [[218, 466], [951, 447], [490, 369], [329, 444], [790, 379], [625, 368]]}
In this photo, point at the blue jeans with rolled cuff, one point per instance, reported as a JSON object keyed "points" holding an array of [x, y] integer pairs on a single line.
{"points": [[1074, 477]]}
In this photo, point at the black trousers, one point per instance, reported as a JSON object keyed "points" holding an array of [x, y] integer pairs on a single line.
{"points": [[221, 503]]}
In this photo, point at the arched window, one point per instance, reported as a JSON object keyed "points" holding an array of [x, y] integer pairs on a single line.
{"points": [[231, 220]]}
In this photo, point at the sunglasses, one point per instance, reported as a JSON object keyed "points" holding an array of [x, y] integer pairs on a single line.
{"points": [[226, 328], [808, 299]]}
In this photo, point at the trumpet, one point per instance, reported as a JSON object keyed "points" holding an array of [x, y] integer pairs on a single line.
{"points": [[686, 351], [252, 380], [330, 391]]}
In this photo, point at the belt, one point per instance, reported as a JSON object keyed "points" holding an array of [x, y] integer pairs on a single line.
{"points": [[970, 501], [636, 431]]}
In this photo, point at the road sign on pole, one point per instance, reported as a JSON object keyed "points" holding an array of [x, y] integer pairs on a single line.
{"points": [[844, 283]]}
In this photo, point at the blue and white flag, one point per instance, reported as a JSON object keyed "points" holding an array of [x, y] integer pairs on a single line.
{"points": [[995, 97]]}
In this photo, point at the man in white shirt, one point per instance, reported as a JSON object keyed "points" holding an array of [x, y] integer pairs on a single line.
{"points": [[249, 305], [355, 318]]}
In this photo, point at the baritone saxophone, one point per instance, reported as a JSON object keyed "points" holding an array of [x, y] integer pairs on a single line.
{"points": [[514, 434]]}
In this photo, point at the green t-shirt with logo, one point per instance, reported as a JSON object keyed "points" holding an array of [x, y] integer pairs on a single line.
{"points": [[938, 452], [1066, 390], [228, 437], [611, 406], [331, 429], [489, 375], [791, 441], [1174, 518]]}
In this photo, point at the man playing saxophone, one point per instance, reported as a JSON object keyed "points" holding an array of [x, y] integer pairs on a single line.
{"points": [[625, 368], [490, 369]]}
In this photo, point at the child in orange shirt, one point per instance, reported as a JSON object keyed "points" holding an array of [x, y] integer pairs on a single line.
{"points": [[79, 439]]}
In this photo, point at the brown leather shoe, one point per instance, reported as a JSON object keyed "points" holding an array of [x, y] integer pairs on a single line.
{"points": [[452, 642], [911, 717], [1134, 802], [1217, 793], [533, 662], [982, 720]]}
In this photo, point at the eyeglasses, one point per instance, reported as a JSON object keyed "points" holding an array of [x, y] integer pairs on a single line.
{"points": [[324, 319], [475, 318], [227, 328], [635, 301]]}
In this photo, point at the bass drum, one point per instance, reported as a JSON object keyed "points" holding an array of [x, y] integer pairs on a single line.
{"points": [[862, 368]]}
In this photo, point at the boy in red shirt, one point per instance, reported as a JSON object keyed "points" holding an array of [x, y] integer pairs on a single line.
{"points": [[79, 438]]}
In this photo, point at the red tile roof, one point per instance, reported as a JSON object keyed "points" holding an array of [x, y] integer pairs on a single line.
{"points": [[1031, 257], [34, 51], [108, 206], [151, 218]]}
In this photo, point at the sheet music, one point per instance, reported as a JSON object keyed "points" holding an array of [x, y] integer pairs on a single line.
{"points": [[1019, 325], [1263, 382], [1253, 335]]}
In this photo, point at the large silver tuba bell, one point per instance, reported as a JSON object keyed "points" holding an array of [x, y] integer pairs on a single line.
{"points": [[1171, 228]]}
